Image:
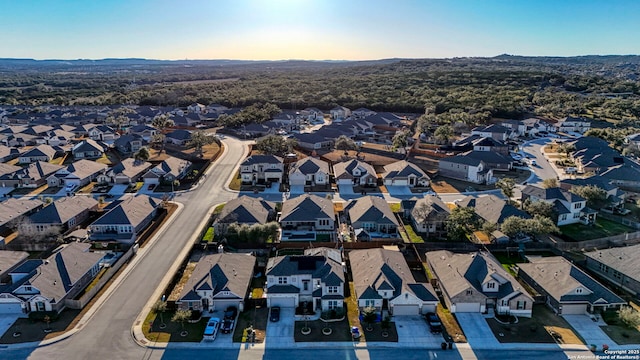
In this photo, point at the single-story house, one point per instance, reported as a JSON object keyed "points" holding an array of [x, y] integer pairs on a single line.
{"points": [[244, 210], [617, 266], [404, 173], [125, 219]]}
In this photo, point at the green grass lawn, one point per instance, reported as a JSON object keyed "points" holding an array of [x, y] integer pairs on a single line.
{"points": [[208, 236], [602, 228], [415, 238], [395, 207], [508, 261], [236, 182]]}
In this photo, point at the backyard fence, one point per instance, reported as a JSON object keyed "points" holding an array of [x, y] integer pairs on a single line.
{"points": [[620, 220], [611, 241]]}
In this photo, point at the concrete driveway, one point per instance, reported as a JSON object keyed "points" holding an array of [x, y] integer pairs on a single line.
{"points": [[118, 189], [591, 332], [477, 331], [6, 320], [413, 331], [346, 190], [399, 190], [280, 333], [274, 189], [296, 189]]}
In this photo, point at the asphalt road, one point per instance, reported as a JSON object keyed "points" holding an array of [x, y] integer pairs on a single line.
{"points": [[108, 334], [543, 170]]}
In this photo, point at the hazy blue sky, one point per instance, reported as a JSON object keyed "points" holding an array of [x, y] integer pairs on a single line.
{"points": [[315, 29]]}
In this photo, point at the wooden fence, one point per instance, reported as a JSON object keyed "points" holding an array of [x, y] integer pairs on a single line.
{"points": [[611, 241]]}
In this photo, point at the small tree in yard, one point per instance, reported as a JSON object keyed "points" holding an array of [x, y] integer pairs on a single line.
{"points": [[142, 154], [550, 183], [629, 316], [506, 185], [160, 307], [181, 316], [344, 143], [369, 316], [198, 140]]}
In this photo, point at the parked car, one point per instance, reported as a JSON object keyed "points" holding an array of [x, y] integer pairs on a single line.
{"points": [[231, 312], [227, 325], [151, 186], [435, 325], [275, 314], [70, 187], [470, 189], [211, 331]]}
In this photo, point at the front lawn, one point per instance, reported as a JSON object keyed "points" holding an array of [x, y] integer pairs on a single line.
{"points": [[236, 182], [601, 228], [340, 331], [617, 330], [172, 332], [252, 316]]}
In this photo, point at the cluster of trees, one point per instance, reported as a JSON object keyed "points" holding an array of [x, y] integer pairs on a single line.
{"points": [[515, 227], [256, 233], [614, 136], [255, 113], [275, 145], [595, 196]]}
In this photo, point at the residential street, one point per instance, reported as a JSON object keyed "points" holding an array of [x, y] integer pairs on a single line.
{"points": [[543, 169]]}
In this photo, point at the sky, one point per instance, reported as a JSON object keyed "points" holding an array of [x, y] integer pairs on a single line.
{"points": [[315, 29]]}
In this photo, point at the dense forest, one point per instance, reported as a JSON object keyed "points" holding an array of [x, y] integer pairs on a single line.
{"points": [[604, 87]]}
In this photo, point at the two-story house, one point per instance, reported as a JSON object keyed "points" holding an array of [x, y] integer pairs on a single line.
{"points": [[262, 168], [102, 133], [382, 280], [617, 266], [497, 132], [125, 219], [477, 282], [88, 149], [373, 215], [218, 282], [466, 168], [569, 207], [354, 172], [339, 113], [128, 144], [429, 214], [315, 278], [309, 171], [306, 217], [573, 124]]}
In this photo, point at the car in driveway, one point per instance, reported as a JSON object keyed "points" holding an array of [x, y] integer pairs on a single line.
{"points": [[435, 325], [229, 320], [211, 331], [275, 314]]}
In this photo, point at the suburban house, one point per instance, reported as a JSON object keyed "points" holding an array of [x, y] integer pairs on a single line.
{"points": [[197, 108], [168, 171], [88, 149], [497, 132], [491, 208], [312, 114], [9, 260], [32, 176], [404, 173], [316, 278], [217, 282], [354, 172], [466, 169], [46, 285], [340, 113], [146, 132], [262, 168], [39, 153], [124, 219], [477, 282], [59, 216], [617, 266], [309, 171], [8, 153], [128, 144], [305, 217], [79, 173], [324, 138], [178, 137], [382, 280], [568, 290], [128, 171], [573, 124], [517, 127], [569, 207], [594, 155], [13, 210], [103, 133], [244, 210], [535, 126], [428, 215], [373, 215], [494, 160]]}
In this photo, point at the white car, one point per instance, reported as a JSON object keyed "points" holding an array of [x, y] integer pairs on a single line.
{"points": [[70, 187], [211, 331]]}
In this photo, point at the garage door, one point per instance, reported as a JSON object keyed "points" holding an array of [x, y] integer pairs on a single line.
{"points": [[468, 307], [574, 309], [399, 310], [400, 182], [222, 305], [149, 181], [10, 308], [285, 302], [428, 308]]}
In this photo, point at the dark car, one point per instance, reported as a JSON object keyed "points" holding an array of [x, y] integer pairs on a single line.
{"points": [[435, 326], [151, 186], [230, 313], [227, 326], [275, 314]]}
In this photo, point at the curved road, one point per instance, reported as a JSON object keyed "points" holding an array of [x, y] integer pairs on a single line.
{"points": [[108, 333]]}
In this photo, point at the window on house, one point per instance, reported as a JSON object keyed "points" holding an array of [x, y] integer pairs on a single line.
{"points": [[617, 275], [491, 285], [576, 215], [577, 206], [521, 305], [469, 292], [604, 268], [368, 303], [27, 288], [305, 285], [563, 217], [579, 291], [40, 306], [282, 280], [332, 289], [333, 304]]}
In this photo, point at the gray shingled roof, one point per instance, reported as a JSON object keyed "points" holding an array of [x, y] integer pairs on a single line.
{"points": [[9, 259], [131, 167], [85, 168], [262, 159], [88, 145], [307, 208], [309, 166], [551, 193], [40, 150], [62, 210], [221, 272], [622, 259], [374, 269], [246, 210], [558, 277], [491, 208], [321, 263], [370, 209], [401, 169], [130, 211], [345, 169], [434, 204], [13, 208], [462, 160]]}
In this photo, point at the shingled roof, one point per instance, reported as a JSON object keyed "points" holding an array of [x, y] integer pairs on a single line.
{"points": [[221, 272], [370, 209], [246, 210], [309, 166], [306, 208], [321, 263]]}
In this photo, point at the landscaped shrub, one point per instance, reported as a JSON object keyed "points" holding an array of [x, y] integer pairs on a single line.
{"points": [[208, 236], [333, 314], [40, 315], [629, 316]]}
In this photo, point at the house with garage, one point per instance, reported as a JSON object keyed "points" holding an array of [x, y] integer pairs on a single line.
{"points": [[477, 282], [573, 124], [38, 153], [316, 278], [46, 285], [309, 172], [128, 171], [79, 173], [497, 132], [491, 208], [569, 207], [258, 169], [178, 137], [494, 160], [428, 215], [568, 290], [312, 114], [373, 215], [617, 266], [244, 210], [167, 172], [466, 168], [307, 218], [9, 260], [59, 216], [102, 133], [217, 282], [124, 219], [146, 132], [340, 113], [88, 149], [382, 280], [32, 176], [355, 172], [404, 173], [128, 144], [8, 153], [13, 210]]}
